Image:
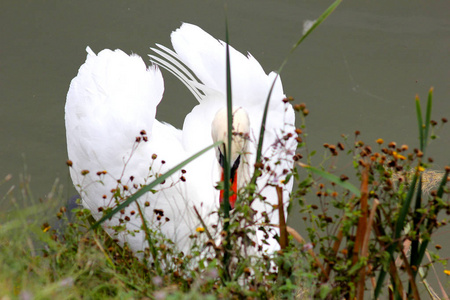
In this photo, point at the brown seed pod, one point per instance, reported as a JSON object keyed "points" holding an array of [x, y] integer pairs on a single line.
{"points": [[343, 177]]}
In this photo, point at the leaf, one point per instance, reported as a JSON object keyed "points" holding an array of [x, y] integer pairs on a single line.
{"points": [[333, 178]]}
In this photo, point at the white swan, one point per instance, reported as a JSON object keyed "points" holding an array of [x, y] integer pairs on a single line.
{"points": [[116, 144]]}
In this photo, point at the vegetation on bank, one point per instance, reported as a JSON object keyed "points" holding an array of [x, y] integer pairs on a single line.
{"points": [[369, 232], [372, 237]]}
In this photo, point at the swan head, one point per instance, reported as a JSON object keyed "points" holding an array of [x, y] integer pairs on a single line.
{"points": [[240, 133]]}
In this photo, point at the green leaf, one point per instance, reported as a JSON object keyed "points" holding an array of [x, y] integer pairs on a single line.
{"points": [[266, 107], [333, 178]]}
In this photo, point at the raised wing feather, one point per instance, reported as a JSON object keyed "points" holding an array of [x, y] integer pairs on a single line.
{"points": [[112, 102]]}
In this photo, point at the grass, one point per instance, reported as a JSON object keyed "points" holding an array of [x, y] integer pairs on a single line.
{"points": [[353, 238], [364, 238]]}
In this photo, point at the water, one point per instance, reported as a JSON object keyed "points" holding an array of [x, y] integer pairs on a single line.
{"points": [[360, 70]]}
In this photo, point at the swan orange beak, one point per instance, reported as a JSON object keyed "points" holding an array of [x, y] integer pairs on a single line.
{"points": [[233, 185]]}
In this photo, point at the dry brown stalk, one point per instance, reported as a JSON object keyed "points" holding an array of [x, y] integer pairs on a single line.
{"points": [[365, 250], [302, 241], [361, 232], [362, 222], [283, 232], [410, 275]]}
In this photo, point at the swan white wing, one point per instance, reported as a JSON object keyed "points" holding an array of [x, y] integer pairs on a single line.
{"points": [[111, 100]]}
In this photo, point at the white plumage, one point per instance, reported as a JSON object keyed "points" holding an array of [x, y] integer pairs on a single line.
{"points": [[114, 98]]}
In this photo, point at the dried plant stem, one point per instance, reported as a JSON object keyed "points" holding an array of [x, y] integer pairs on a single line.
{"points": [[283, 232], [302, 241]]}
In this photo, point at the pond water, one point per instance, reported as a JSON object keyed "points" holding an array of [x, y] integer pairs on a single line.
{"points": [[360, 70]]}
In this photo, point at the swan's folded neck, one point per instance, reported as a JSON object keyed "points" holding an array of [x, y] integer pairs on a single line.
{"points": [[240, 133]]}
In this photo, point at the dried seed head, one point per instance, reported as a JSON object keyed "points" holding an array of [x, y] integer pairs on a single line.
{"points": [[159, 212], [297, 157], [154, 156], [259, 165], [288, 99], [69, 163], [343, 177]]}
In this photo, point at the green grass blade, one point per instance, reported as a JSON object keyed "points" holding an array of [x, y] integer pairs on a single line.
{"points": [[335, 179], [428, 118], [261, 131], [420, 122], [319, 20], [416, 220], [227, 154], [398, 229], [153, 184], [405, 207], [440, 193]]}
